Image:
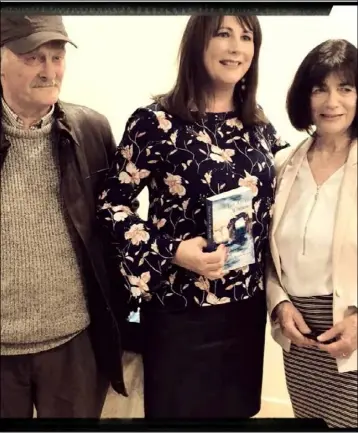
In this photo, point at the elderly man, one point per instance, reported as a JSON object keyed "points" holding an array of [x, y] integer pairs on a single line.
{"points": [[60, 339]]}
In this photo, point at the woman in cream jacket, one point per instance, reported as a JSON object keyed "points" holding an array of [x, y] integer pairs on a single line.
{"points": [[312, 277]]}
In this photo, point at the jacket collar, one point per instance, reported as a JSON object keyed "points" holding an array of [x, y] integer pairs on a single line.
{"points": [[286, 178], [62, 121], [352, 157]]}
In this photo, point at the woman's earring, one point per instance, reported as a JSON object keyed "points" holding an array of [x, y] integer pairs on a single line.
{"points": [[243, 85]]}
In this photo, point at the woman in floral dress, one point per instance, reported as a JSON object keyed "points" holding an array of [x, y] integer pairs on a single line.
{"points": [[203, 329]]}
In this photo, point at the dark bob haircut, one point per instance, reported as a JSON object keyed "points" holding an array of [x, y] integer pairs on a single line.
{"points": [[333, 56], [193, 84]]}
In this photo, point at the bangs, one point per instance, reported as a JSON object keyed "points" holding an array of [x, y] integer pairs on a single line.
{"points": [[346, 71], [247, 22], [210, 27]]}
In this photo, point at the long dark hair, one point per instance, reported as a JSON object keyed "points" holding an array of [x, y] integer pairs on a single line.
{"points": [[193, 82]]}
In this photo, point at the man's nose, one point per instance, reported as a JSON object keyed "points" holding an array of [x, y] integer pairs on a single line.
{"points": [[48, 71]]}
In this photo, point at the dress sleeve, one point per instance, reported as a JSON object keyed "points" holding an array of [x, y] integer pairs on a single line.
{"points": [[145, 254], [272, 137], [276, 142]]}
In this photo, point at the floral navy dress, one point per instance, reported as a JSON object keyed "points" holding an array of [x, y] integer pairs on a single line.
{"points": [[182, 163]]}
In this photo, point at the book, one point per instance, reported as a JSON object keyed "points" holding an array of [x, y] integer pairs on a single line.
{"points": [[229, 217]]}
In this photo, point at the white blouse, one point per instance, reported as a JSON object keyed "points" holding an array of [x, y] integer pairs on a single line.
{"points": [[305, 234]]}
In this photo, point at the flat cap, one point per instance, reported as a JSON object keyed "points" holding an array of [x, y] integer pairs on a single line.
{"points": [[24, 33]]}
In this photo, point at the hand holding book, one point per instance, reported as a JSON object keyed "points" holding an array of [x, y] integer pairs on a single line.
{"points": [[190, 255], [230, 216]]}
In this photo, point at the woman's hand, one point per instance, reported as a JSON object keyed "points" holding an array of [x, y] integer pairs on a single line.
{"points": [[190, 256], [292, 324], [346, 334]]}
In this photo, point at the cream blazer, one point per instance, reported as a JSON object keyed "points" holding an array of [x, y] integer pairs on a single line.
{"points": [[344, 258]]}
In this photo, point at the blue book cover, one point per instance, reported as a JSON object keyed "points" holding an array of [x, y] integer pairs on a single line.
{"points": [[229, 216]]}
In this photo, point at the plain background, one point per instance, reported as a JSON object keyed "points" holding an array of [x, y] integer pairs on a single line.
{"points": [[121, 61]]}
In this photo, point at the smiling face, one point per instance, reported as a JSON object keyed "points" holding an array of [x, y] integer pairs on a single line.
{"points": [[229, 53], [333, 106]]}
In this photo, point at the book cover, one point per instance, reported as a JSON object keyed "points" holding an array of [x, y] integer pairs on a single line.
{"points": [[229, 216]]}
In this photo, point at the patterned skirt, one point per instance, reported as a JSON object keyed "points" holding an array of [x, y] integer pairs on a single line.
{"points": [[315, 387]]}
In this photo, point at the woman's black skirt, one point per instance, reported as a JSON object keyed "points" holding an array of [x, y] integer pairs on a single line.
{"points": [[205, 362]]}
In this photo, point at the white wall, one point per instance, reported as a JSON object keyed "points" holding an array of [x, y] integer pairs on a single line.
{"points": [[123, 60]]}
